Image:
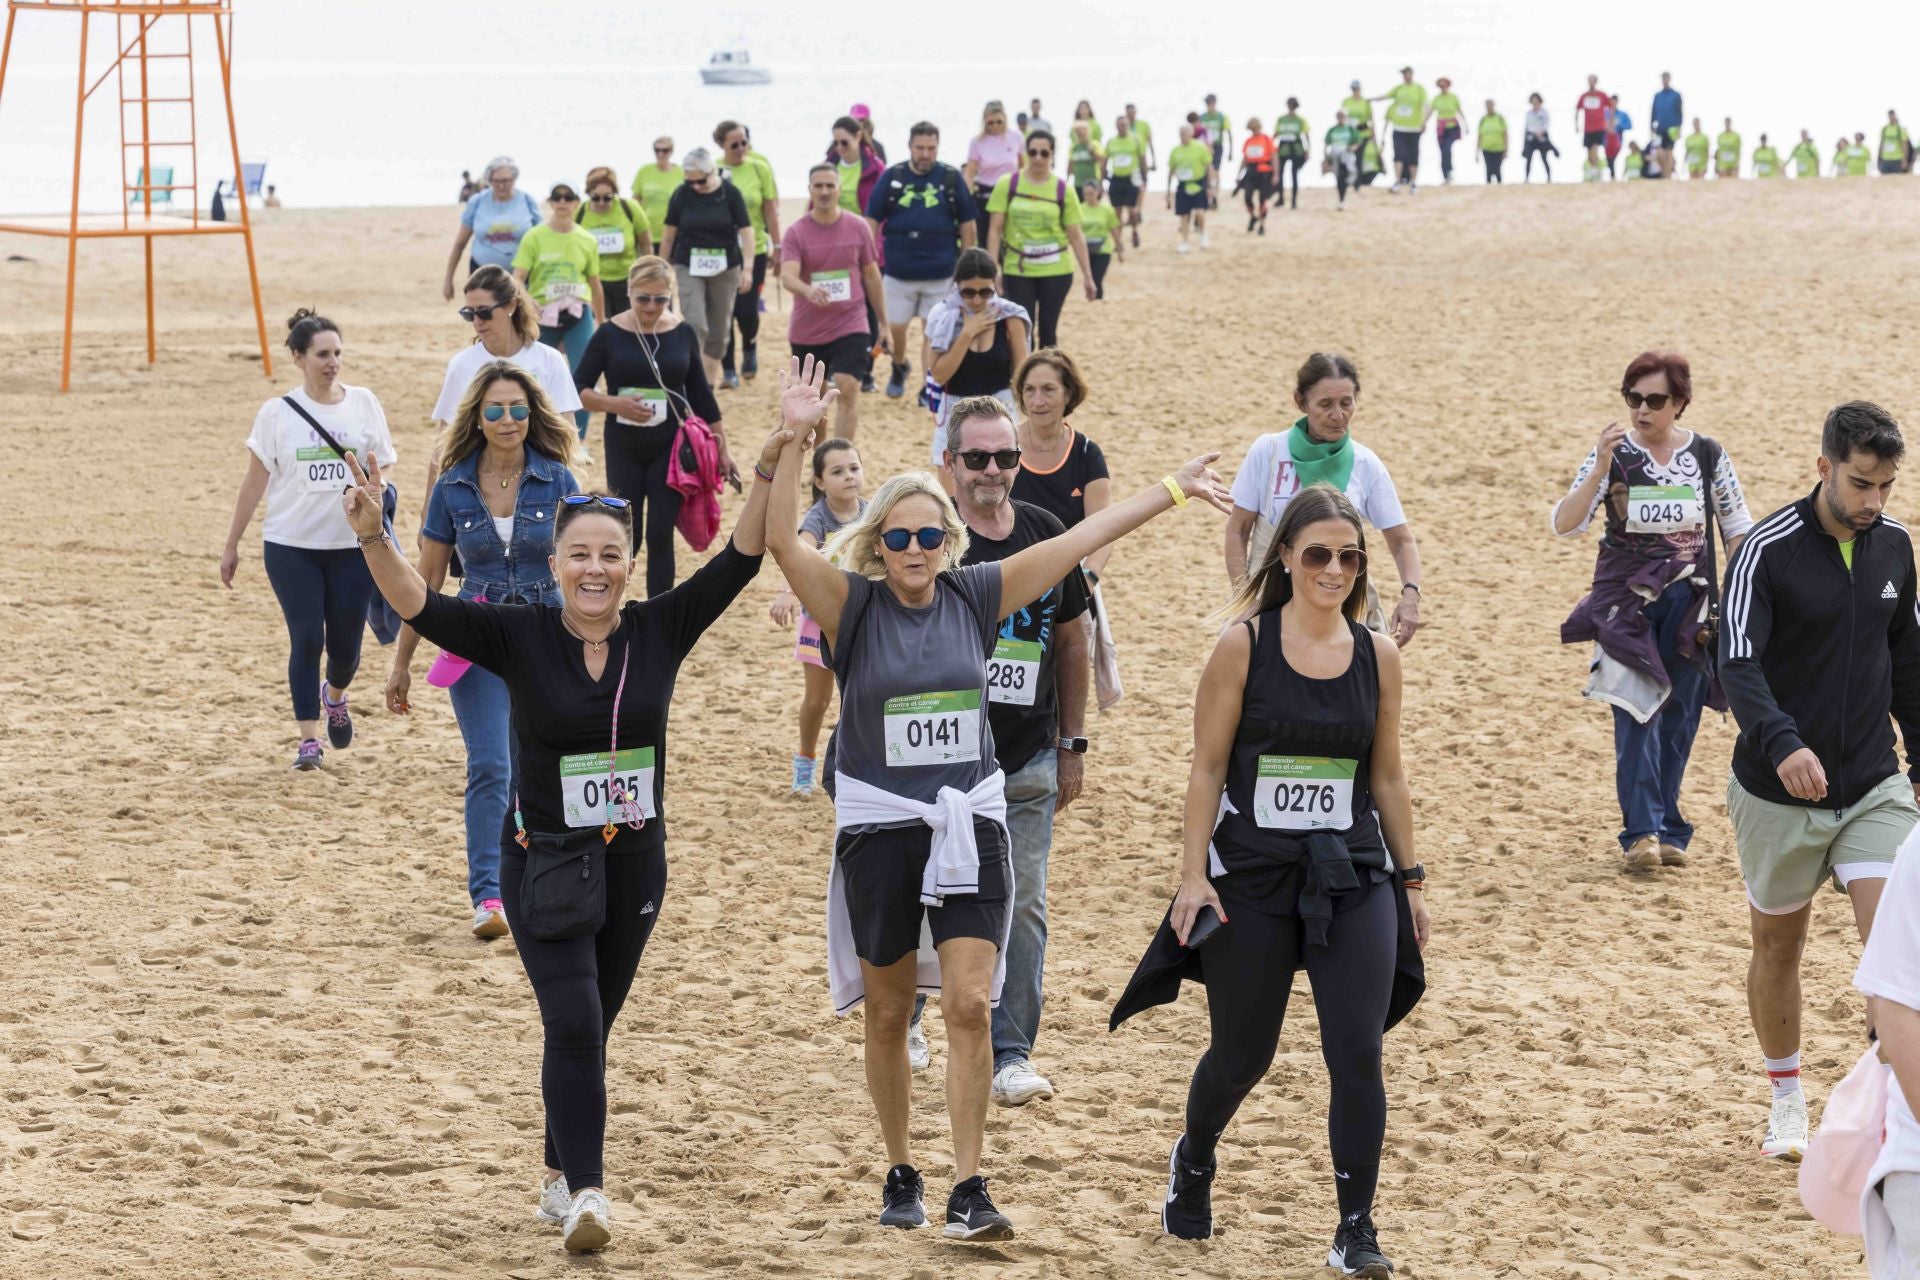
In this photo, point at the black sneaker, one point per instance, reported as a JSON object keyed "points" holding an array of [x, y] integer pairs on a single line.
{"points": [[750, 361], [903, 1204], [1356, 1249], [897, 381], [310, 754], [1188, 1212], [971, 1215], [339, 719]]}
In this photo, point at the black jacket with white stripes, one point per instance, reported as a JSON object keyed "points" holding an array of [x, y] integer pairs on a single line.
{"points": [[1814, 655]]}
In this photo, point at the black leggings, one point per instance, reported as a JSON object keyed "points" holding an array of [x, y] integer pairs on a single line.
{"points": [[1249, 966], [324, 595], [1448, 136], [1494, 160], [581, 984], [1100, 262], [1043, 297], [1293, 164], [1260, 184], [746, 312], [637, 460], [617, 301], [1543, 148]]}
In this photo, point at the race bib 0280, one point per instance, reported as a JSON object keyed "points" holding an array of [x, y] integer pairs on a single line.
{"points": [[1013, 672], [1304, 793], [584, 790], [932, 728], [837, 285]]}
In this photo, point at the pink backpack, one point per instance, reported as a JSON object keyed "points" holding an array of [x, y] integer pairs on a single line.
{"points": [[1846, 1146], [693, 471]]}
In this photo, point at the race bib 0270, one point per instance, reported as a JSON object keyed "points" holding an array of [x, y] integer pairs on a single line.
{"points": [[1304, 793], [321, 470], [932, 728], [1013, 672], [584, 790], [1664, 509]]}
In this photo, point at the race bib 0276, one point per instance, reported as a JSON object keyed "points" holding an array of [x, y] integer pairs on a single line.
{"points": [[1304, 793]]}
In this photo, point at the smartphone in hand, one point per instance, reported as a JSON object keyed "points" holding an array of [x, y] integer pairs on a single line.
{"points": [[1205, 924]]}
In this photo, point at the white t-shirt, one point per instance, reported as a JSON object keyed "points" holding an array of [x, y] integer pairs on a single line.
{"points": [[1890, 969], [1267, 483], [548, 367], [305, 477]]}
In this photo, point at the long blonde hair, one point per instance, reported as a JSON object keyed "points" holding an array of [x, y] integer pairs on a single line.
{"points": [[857, 546], [547, 433]]}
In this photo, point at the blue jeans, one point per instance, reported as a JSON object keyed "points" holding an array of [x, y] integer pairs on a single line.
{"points": [[1031, 791], [1650, 759], [574, 343], [483, 708]]}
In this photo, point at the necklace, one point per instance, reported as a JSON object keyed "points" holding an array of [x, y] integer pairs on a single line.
{"points": [[589, 641]]}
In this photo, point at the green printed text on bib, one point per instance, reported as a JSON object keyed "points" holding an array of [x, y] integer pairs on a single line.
{"points": [[932, 728], [1304, 793], [656, 402], [837, 285], [1664, 509], [706, 263], [583, 785], [1013, 672], [324, 470]]}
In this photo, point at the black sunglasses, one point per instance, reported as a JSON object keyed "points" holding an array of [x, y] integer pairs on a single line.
{"points": [[470, 314], [1314, 558], [588, 499], [563, 197], [1038, 154], [1656, 402], [976, 459], [987, 292], [655, 299], [663, 151], [601, 199], [897, 539]]}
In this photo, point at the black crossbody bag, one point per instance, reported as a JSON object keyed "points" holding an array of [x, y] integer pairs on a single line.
{"points": [[389, 496]]}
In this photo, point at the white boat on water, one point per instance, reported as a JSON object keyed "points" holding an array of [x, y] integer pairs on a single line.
{"points": [[734, 66]]}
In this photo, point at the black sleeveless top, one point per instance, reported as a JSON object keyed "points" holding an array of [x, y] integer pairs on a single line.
{"points": [[1298, 773], [984, 373]]}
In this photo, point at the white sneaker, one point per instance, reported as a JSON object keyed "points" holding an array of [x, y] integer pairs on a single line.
{"points": [[489, 922], [1206, 240], [1787, 1130], [1184, 248], [918, 1055], [589, 1223], [1017, 1084], [556, 1202]]}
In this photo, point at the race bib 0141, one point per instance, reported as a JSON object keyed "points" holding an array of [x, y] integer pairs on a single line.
{"points": [[584, 792], [932, 728], [1304, 793]]}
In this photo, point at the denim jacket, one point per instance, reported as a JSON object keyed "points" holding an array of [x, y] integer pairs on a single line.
{"points": [[505, 574]]}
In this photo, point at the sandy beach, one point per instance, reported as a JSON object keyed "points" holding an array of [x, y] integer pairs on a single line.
{"points": [[245, 1031]]}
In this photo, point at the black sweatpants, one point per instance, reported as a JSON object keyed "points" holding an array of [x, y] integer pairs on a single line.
{"points": [[637, 460], [581, 984], [1494, 160], [1043, 297], [1249, 966], [324, 595], [746, 312]]}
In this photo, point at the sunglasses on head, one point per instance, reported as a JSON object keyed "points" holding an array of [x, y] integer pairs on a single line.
{"points": [[588, 499], [1656, 402], [984, 293], [1314, 558], [651, 299], [930, 537], [471, 314], [495, 412], [976, 459]]}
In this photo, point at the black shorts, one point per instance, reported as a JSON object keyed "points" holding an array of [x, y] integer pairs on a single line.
{"points": [[848, 356], [1184, 204], [880, 874], [1594, 138], [1406, 146], [1122, 193]]}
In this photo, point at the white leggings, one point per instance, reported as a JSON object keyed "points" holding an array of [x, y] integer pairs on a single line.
{"points": [[1901, 1192]]}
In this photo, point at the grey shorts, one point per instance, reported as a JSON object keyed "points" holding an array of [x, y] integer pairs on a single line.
{"points": [[909, 298], [1787, 850]]}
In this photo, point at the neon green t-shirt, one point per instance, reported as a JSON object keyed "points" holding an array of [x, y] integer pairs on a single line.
{"points": [[1370, 155], [1036, 227], [616, 233], [1290, 132], [1893, 142], [653, 187], [1359, 110], [1636, 164], [1188, 164], [1083, 162], [558, 264], [1098, 222], [1697, 144], [1446, 107], [1726, 150], [1846, 552], [1806, 160], [1127, 157], [1859, 160], [1407, 110], [849, 187], [754, 178], [1216, 123], [1493, 132], [1766, 162]]}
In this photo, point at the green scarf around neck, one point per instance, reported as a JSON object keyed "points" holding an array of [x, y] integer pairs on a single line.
{"points": [[1318, 463]]}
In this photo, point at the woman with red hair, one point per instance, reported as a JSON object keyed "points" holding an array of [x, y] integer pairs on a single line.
{"points": [[1653, 605]]}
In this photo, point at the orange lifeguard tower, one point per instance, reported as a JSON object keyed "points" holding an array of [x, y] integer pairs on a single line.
{"points": [[154, 59]]}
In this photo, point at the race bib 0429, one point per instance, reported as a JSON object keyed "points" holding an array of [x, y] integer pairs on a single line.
{"points": [[1664, 509], [1304, 793], [1013, 672], [932, 728], [705, 263], [584, 791]]}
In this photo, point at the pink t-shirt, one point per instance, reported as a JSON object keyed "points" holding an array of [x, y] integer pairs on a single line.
{"points": [[831, 255], [996, 156]]}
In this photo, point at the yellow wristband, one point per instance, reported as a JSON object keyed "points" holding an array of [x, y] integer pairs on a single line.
{"points": [[1173, 487]]}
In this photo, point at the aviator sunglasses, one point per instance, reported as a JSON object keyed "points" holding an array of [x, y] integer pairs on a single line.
{"points": [[1314, 558], [1656, 402], [495, 412], [897, 539], [587, 499]]}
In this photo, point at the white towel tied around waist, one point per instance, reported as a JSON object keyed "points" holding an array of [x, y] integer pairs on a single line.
{"points": [[953, 868]]}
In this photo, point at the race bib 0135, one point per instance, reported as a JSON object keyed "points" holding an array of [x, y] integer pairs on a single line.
{"points": [[584, 792]]}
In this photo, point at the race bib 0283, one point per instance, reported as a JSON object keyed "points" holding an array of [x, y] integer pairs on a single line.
{"points": [[1013, 672]]}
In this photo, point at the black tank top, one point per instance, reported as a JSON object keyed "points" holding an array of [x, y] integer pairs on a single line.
{"points": [[984, 373], [1301, 759]]}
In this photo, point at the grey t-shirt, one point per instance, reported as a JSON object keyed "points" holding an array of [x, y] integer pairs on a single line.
{"points": [[822, 523], [913, 684]]}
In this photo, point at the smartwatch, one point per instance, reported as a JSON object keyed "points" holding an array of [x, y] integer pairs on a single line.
{"points": [[1415, 874], [1076, 745]]}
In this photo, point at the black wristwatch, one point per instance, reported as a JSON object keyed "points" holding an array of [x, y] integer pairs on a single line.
{"points": [[1076, 745], [1409, 586], [1415, 874]]}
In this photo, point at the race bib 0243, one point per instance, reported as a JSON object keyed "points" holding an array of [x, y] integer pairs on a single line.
{"points": [[1304, 793], [1664, 509], [584, 793], [932, 728]]}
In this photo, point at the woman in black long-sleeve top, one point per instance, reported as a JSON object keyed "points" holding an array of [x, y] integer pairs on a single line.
{"points": [[650, 360], [588, 675]]}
